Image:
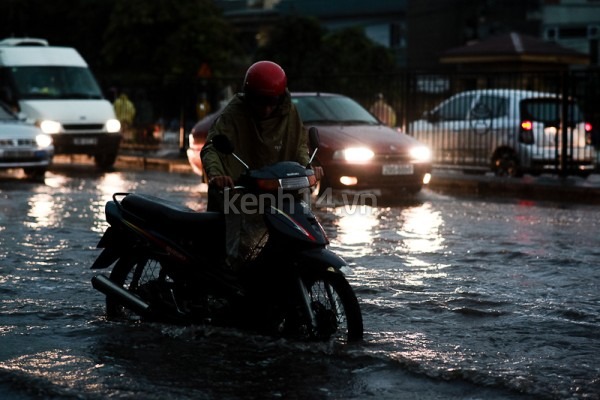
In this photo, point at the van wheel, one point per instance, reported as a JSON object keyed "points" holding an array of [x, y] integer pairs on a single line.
{"points": [[506, 164], [105, 161]]}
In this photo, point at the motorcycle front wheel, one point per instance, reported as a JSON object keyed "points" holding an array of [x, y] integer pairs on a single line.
{"points": [[335, 308]]}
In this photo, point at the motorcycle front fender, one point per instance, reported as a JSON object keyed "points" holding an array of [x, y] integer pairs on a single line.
{"points": [[111, 251], [323, 259], [113, 242]]}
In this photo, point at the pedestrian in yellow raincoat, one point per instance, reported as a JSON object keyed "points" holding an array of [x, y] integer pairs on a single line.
{"points": [[125, 111], [383, 111]]}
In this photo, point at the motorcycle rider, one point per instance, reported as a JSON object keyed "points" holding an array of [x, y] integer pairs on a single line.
{"points": [[264, 126]]}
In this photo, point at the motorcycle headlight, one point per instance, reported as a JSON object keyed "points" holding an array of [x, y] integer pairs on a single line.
{"points": [[420, 154], [50, 127], [354, 154]]}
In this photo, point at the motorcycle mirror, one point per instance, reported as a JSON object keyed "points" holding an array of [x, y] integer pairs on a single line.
{"points": [[313, 139], [222, 144]]}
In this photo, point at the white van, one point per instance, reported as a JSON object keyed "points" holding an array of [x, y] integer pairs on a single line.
{"points": [[54, 88], [510, 131]]}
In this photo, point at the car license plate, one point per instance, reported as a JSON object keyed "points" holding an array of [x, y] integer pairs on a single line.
{"points": [[398, 169], [85, 141]]}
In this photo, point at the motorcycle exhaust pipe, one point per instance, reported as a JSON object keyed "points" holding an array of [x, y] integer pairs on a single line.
{"points": [[109, 288]]}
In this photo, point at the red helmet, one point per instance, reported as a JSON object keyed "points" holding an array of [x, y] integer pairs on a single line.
{"points": [[265, 79]]}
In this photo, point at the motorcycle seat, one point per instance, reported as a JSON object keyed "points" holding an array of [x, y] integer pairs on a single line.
{"points": [[172, 215]]}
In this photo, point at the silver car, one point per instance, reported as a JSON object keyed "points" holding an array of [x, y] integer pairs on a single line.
{"points": [[23, 145], [508, 131]]}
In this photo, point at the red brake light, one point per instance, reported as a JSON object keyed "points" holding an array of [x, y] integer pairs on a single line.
{"points": [[588, 127], [268, 185], [526, 133]]}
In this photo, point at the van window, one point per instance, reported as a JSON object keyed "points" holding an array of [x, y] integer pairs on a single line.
{"points": [[50, 82], [490, 106], [549, 111], [455, 109]]}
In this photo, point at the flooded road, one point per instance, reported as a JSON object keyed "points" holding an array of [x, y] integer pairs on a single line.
{"points": [[462, 299]]}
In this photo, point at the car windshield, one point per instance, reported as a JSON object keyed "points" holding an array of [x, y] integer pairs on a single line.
{"points": [[50, 82], [333, 110], [5, 114]]}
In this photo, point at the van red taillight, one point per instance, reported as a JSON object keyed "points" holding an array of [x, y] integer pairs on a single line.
{"points": [[526, 133], [526, 125], [589, 139]]}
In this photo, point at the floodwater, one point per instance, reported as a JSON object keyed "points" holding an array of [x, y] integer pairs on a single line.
{"points": [[462, 299]]}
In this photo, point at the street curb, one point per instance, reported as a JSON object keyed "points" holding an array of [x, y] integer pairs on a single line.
{"points": [[154, 163], [570, 190], [545, 188]]}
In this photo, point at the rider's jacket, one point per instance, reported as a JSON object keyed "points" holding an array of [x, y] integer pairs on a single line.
{"points": [[281, 137]]}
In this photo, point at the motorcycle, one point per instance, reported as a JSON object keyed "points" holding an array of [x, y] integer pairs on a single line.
{"points": [[168, 262]]}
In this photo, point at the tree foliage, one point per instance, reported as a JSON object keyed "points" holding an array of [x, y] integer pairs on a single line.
{"points": [[295, 44], [160, 45], [166, 39], [316, 59], [350, 52]]}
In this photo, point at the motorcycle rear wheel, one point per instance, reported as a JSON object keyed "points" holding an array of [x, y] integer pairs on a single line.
{"points": [[134, 273], [336, 308]]}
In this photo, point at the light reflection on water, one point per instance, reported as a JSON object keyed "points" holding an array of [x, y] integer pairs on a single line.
{"points": [[504, 295], [57, 366], [421, 230], [41, 211], [50, 209], [411, 231], [463, 289], [414, 229], [355, 228]]}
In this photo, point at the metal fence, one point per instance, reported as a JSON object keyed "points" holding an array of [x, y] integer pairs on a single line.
{"points": [[509, 123], [492, 124]]}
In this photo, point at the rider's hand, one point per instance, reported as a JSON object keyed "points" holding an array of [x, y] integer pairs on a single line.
{"points": [[221, 182], [319, 173]]}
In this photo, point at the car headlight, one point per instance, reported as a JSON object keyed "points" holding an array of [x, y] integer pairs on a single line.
{"points": [[43, 140], [50, 127], [420, 154], [113, 125], [354, 154]]}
